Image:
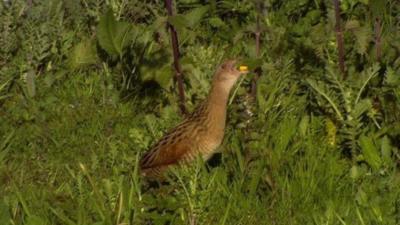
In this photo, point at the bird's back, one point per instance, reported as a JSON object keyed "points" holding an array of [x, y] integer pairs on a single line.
{"points": [[193, 137]]}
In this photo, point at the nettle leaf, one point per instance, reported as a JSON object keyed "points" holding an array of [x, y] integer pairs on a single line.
{"points": [[164, 76], [216, 22], [370, 152], [188, 20], [113, 35], [194, 16], [178, 21], [83, 54]]}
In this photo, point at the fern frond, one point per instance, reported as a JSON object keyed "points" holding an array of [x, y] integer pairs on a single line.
{"points": [[324, 94]]}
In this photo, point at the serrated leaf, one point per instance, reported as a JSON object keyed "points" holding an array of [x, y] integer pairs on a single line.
{"points": [[113, 35], [370, 152], [83, 54], [178, 21], [216, 22], [194, 16], [164, 77]]}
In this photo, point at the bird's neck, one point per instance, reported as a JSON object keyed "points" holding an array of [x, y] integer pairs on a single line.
{"points": [[218, 96], [216, 108]]}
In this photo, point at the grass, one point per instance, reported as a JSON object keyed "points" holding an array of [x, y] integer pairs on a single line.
{"points": [[69, 158]]}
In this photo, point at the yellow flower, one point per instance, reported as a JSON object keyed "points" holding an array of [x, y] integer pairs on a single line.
{"points": [[331, 131]]}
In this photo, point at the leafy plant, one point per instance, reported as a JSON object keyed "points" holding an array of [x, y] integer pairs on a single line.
{"points": [[114, 36]]}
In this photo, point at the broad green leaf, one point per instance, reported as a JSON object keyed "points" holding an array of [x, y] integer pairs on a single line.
{"points": [[216, 22], [370, 152], [178, 21], [194, 16], [164, 76], [188, 20], [113, 35], [83, 54]]}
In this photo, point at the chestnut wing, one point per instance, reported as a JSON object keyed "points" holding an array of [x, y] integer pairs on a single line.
{"points": [[169, 150]]}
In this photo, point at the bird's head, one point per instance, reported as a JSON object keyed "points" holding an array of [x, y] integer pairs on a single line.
{"points": [[228, 73]]}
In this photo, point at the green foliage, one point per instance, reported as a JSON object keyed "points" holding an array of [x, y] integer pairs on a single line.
{"points": [[113, 35], [86, 87], [83, 54], [189, 19]]}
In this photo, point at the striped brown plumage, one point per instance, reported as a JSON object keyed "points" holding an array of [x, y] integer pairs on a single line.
{"points": [[199, 134]]}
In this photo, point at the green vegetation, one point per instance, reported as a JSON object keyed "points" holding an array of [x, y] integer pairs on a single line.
{"points": [[87, 86]]}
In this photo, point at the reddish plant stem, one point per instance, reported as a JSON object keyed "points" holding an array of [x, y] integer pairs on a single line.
{"points": [[339, 38], [378, 42], [178, 70]]}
